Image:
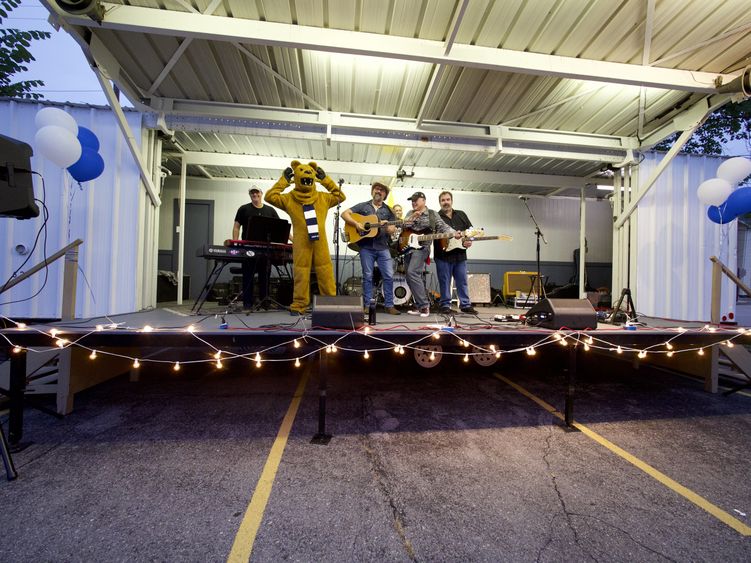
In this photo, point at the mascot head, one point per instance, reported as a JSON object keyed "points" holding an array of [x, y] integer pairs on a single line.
{"points": [[305, 178]]}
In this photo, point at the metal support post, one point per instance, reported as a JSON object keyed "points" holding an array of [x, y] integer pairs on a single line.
{"points": [[321, 437]]}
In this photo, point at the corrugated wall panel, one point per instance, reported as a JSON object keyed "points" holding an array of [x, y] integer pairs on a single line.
{"points": [[675, 240], [103, 213]]}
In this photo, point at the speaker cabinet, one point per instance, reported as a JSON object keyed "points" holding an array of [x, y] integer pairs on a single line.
{"points": [[575, 314], [520, 281], [479, 288], [338, 311]]}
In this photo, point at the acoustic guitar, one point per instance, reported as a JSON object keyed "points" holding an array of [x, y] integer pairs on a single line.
{"points": [[371, 224]]}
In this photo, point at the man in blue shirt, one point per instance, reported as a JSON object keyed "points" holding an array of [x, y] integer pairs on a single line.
{"points": [[375, 249]]}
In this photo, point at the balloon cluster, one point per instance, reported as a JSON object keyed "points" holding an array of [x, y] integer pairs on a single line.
{"points": [[726, 204], [60, 139]]}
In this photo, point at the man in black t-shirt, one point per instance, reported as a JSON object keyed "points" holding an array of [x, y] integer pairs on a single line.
{"points": [[255, 264], [453, 264]]}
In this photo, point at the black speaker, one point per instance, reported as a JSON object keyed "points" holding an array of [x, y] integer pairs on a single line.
{"points": [[563, 313], [338, 311]]}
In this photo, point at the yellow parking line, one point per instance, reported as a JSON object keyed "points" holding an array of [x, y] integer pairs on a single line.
{"points": [[251, 522], [686, 493]]}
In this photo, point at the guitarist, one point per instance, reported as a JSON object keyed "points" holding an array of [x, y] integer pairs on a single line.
{"points": [[375, 249], [424, 221], [453, 263]]}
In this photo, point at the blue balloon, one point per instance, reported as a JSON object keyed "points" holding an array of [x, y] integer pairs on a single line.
{"points": [[88, 167], [738, 203], [88, 138]]}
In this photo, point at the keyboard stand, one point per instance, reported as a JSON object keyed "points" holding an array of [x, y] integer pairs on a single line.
{"points": [[219, 266]]}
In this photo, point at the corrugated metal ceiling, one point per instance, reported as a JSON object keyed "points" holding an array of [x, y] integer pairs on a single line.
{"points": [[694, 35]]}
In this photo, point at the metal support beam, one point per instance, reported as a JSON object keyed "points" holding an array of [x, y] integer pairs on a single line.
{"points": [[386, 170], [582, 242], [129, 137], [215, 28], [181, 232]]}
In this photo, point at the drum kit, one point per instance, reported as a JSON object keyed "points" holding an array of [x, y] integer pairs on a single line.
{"points": [[402, 293]]}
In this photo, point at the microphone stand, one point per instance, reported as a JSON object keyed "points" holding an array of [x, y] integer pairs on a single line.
{"points": [[538, 235], [336, 239]]}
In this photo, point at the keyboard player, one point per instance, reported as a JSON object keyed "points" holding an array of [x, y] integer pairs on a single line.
{"points": [[258, 263]]}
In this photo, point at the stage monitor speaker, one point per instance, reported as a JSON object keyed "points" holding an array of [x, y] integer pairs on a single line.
{"points": [[338, 311], [575, 314], [479, 288]]}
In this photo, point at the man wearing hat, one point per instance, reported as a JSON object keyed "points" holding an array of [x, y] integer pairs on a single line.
{"points": [[257, 263], [423, 221], [375, 249]]}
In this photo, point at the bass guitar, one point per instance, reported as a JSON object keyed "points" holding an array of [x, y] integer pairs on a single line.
{"points": [[371, 224]]}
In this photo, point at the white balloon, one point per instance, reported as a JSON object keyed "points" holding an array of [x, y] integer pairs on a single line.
{"points": [[58, 144], [714, 191], [55, 116], [734, 170]]}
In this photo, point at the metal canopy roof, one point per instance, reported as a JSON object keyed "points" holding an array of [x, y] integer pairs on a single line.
{"points": [[514, 96]]}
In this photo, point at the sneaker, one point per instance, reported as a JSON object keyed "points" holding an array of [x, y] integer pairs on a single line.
{"points": [[423, 312], [446, 311], [469, 310], [392, 311]]}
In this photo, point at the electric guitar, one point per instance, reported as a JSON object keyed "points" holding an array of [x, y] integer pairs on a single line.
{"points": [[453, 243], [371, 224]]}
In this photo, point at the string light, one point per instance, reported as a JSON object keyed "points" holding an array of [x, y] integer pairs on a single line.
{"points": [[701, 351], [218, 354], [147, 328], [642, 354], [329, 349], [590, 340], [557, 336], [729, 344], [136, 363], [21, 326], [466, 357], [465, 343], [99, 328], [191, 328], [61, 342], [258, 363], [563, 342], [54, 332], [401, 350], [219, 364], [333, 348], [297, 343], [492, 347], [396, 349], [16, 349], [258, 357], [668, 345], [497, 355], [93, 355], [437, 335], [586, 347], [619, 350], [366, 355], [670, 354], [531, 351], [432, 355], [297, 362], [176, 367]]}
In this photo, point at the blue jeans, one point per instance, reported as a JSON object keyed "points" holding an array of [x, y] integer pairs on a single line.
{"points": [[368, 257], [458, 270]]}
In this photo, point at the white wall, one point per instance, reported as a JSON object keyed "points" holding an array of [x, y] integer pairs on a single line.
{"points": [[497, 214], [103, 213]]}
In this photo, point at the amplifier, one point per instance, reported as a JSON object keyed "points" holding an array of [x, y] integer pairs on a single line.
{"points": [[338, 311], [479, 288], [520, 281]]}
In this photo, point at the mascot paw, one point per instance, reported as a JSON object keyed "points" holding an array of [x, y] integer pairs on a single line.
{"points": [[288, 174], [320, 174]]}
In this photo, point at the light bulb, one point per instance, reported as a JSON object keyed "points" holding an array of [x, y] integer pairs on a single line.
{"points": [[730, 344], [432, 355], [218, 354], [21, 325], [436, 335], [16, 349], [147, 328], [297, 362], [297, 343], [93, 355], [497, 355], [669, 346], [99, 328], [586, 347], [531, 351], [258, 363], [642, 354], [176, 367], [219, 364], [590, 340], [61, 342], [466, 357], [670, 354], [619, 350], [366, 355], [258, 357], [136, 364], [701, 351], [333, 349], [54, 332]]}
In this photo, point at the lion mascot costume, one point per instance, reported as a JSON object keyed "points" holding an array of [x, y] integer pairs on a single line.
{"points": [[307, 207]]}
